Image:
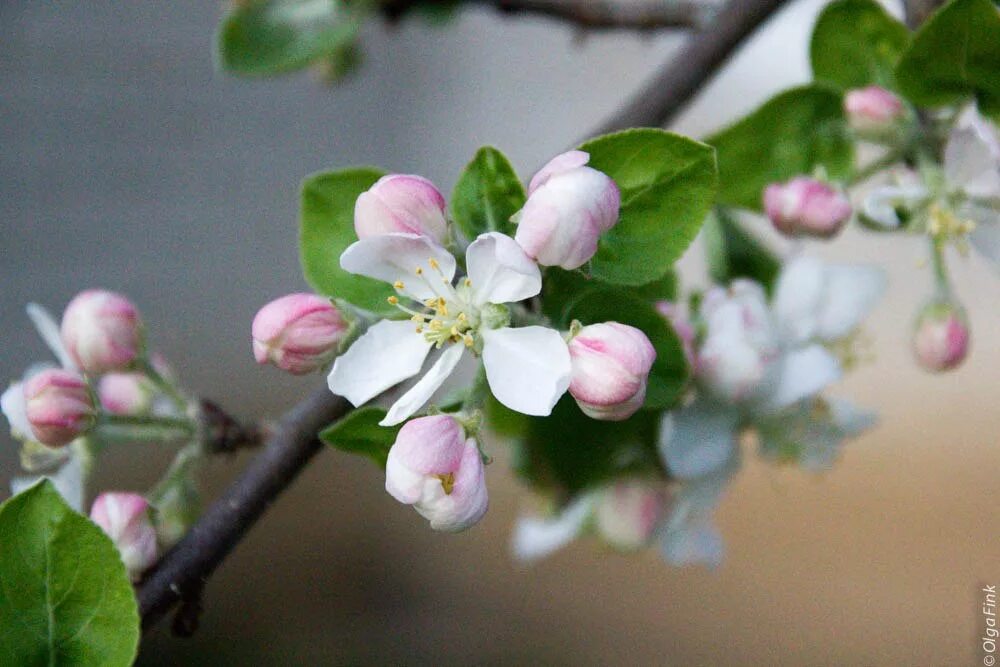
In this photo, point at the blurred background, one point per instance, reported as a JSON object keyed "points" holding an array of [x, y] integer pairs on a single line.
{"points": [[128, 162]]}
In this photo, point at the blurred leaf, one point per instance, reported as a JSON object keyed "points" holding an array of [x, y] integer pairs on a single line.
{"points": [[437, 12], [487, 194], [359, 433], [668, 183], [343, 62], [955, 55], [561, 288], [734, 253], [504, 421], [857, 43], [791, 134], [65, 598], [266, 37], [327, 228]]}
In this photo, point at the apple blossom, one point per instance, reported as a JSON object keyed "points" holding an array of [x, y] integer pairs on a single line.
{"points": [[537, 537], [941, 336], [527, 368], [569, 206], [689, 535], [812, 432], [58, 406], [126, 393], [298, 333], [102, 331], [67, 479], [124, 517], [611, 363], [401, 204], [872, 110], [434, 468], [806, 207], [627, 513]]}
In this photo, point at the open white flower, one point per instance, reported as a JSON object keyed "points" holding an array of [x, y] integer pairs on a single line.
{"points": [[689, 536], [528, 368]]}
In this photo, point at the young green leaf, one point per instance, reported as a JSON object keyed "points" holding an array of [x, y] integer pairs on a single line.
{"points": [[65, 598], [857, 43], [487, 194], [793, 133], [955, 56], [359, 433], [734, 253], [668, 183], [266, 37], [327, 228]]}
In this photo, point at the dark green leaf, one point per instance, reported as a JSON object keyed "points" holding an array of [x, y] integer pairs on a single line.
{"points": [[487, 194], [264, 37], [955, 56], [359, 433], [327, 228], [667, 183], [734, 253], [793, 133], [65, 598], [503, 421], [857, 43]]}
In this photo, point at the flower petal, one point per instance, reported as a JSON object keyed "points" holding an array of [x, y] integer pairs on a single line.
{"points": [[972, 157], [852, 290], [387, 354], [528, 369], [690, 536], [468, 500], [421, 392], [798, 298], [15, 409], [500, 270], [535, 537], [698, 440], [557, 165], [396, 258], [48, 329], [68, 481], [985, 238], [804, 372], [879, 207]]}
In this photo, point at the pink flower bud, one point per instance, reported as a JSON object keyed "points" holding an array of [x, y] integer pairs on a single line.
{"points": [[611, 364], [298, 333], [570, 205], [682, 327], [941, 336], [58, 406], [125, 393], [627, 513], [124, 517], [102, 331], [401, 204], [806, 207], [872, 109], [433, 467]]}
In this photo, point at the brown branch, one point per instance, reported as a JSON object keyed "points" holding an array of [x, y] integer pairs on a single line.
{"points": [[595, 14]]}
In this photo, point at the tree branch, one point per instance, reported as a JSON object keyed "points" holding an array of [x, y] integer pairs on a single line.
{"points": [[595, 14]]}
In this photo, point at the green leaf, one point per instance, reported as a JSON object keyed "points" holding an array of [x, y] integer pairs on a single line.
{"points": [[668, 183], [359, 433], [503, 421], [670, 372], [65, 598], [857, 43], [560, 288], [487, 194], [327, 228], [792, 133], [954, 56], [734, 253], [265, 37]]}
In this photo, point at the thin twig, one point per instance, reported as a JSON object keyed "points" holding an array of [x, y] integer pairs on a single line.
{"points": [[594, 14]]}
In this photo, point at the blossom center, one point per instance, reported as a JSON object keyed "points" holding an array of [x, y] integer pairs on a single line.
{"points": [[449, 316], [447, 482]]}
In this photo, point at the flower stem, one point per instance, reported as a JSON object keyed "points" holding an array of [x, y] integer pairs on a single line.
{"points": [[164, 385]]}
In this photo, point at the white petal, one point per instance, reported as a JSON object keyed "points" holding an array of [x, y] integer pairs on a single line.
{"points": [[971, 163], [798, 298], [68, 481], [528, 369], [689, 536], [396, 258], [48, 329], [12, 403], [421, 392], [804, 372], [850, 419], [851, 293], [698, 440], [536, 538], [985, 238], [500, 270], [388, 353], [698, 543], [880, 205]]}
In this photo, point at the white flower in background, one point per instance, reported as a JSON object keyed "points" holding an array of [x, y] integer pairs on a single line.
{"points": [[689, 535], [812, 433], [537, 537], [67, 480], [528, 368]]}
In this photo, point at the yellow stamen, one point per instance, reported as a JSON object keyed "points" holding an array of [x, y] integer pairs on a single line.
{"points": [[434, 264], [419, 271], [447, 482], [393, 300], [468, 282], [398, 284]]}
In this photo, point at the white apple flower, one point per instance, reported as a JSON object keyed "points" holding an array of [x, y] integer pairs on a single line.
{"points": [[528, 368], [536, 537], [689, 535], [812, 433]]}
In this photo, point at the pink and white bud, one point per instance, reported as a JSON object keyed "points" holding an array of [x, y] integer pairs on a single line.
{"points": [[298, 333], [102, 331], [806, 207], [124, 517], [682, 327], [401, 204], [627, 513], [434, 468], [126, 393], [872, 109], [58, 406], [610, 369], [569, 206], [941, 336], [740, 350]]}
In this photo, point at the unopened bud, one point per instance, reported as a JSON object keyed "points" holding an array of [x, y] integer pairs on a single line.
{"points": [[124, 517], [941, 336], [126, 393], [872, 110], [401, 204], [627, 513], [569, 206], [611, 364], [102, 331], [806, 207], [298, 333], [58, 405]]}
